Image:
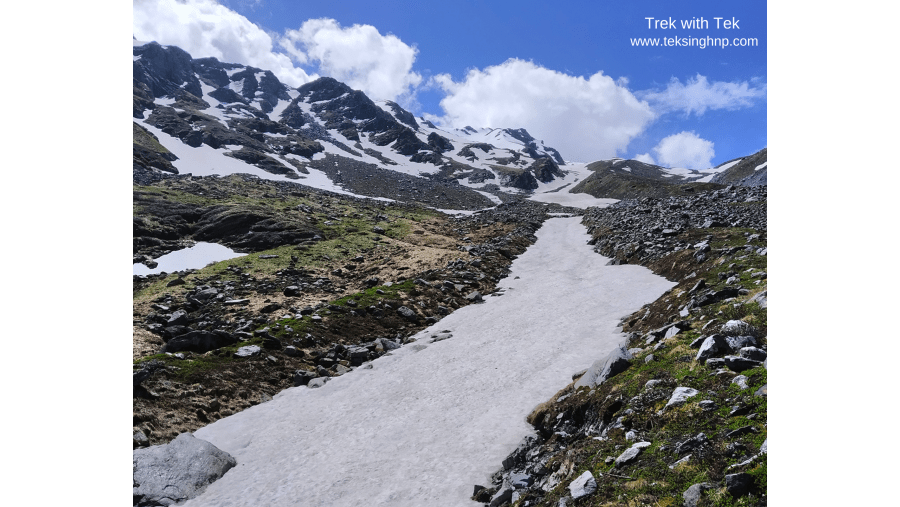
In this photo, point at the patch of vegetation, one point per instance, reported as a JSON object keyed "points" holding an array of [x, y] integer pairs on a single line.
{"points": [[196, 365]]}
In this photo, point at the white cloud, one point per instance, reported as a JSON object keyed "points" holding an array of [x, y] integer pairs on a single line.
{"points": [[686, 150], [205, 28], [585, 119], [645, 158], [698, 94], [379, 65]]}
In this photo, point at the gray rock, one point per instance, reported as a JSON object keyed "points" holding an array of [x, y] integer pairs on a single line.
{"points": [[199, 341], [680, 396], [736, 343], [407, 314], [741, 381], [738, 328], [583, 486], [692, 494], [698, 342], [738, 484], [614, 363], [388, 344], [177, 471], [765, 447], [692, 444], [762, 391], [503, 495], [177, 318], [711, 346], [474, 296], [317, 382], [761, 299], [302, 377], [672, 331], [715, 362], [520, 481], [248, 351], [753, 353], [707, 405], [682, 460], [140, 439], [631, 453], [739, 364]]}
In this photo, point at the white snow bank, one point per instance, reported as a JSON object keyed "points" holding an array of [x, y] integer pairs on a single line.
{"points": [[575, 200], [429, 421], [195, 257], [760, 166]]}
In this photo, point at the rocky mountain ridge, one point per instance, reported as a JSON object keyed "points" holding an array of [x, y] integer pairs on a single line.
{"points": [[248, 114]]}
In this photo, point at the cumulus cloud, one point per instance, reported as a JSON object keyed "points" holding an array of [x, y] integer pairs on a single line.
{"points": [[586, 119], [379, 65], [686, 150], [698, 94], [645, 158], [205, 28]]}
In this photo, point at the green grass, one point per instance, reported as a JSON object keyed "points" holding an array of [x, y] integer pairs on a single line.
{"points": [[300, 326], [196, 365]]}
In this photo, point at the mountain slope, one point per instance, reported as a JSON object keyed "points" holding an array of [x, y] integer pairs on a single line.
{"points": [[749, 172], [247, 115]]}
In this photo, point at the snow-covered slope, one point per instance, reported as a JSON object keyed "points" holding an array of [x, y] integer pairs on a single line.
{"points": [[431, 419], [222, 118]]}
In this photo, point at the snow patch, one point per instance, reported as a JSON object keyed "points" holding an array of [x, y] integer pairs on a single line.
{"points": [[760, 166], [195, 257], [425, 423]]}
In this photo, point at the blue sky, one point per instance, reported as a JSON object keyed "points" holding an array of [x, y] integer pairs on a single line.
{"points": [[566, 71]]}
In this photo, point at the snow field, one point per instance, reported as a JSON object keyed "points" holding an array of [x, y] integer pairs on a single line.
{"points": [[426, 423], [194, 257]]}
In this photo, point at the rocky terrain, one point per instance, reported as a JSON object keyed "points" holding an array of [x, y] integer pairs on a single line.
{"points": [[749, 171], [677, 416]]}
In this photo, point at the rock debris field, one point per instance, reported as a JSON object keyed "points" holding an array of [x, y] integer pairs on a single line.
{"points": [[428, 420]]}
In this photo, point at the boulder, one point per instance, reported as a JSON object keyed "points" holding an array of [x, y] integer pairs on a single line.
{"points": [[738, 484], [738, 328], [711, 346], [199, 341], [614, 363], [302, 377], [736, 343], [753, 353], [680, 396], [584, 485], [407, 314], [177, 471], [739, 364], [692, 494], [692, 444], [248, 351], [631, 453]]}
